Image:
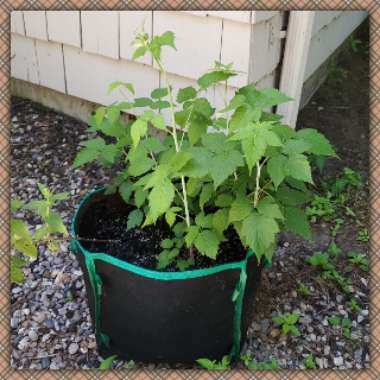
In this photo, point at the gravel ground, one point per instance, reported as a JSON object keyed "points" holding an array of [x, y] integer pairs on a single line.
{"points": [[50, 321]]}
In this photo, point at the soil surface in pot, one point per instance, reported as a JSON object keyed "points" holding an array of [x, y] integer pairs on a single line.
{"points": [[140, 246]]}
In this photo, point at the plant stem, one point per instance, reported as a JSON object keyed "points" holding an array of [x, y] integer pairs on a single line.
{"points": [[174, 134], [257, 188]]}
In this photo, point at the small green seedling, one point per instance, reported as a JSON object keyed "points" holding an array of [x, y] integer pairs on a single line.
{"points": [[335, 229], [343, 323], [214, 365], [359, 259], [310, 362], [303, 289], [321, 207], [259, 366], [24, 241], [354, 306], [107, 363], [287, 322], [363, 235]]}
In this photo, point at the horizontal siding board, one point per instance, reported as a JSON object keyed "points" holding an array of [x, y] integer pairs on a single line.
{"points": [[24, 64], [88, 76], [240, 16], [265, 52], [328, 39], [198, 42], [50, 65], [35, 24], [130, 22], [100, 32], [17, 22], [236, 50], [64, 27]]}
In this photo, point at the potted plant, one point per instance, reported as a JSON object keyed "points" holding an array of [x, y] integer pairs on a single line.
{"points": [[174, 244]]}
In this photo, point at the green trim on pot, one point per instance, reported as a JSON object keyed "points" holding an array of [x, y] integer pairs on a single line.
{"points": [[96, 281]]}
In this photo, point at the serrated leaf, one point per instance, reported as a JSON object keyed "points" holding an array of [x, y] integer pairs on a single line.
{"points": [[204, 221], [193, 186], [291, 197], [277, 169], [207, 243], [107, 363], [268, 207], [160, 105], [197, 129], [140, 197], [117, 84], [319, 143], [242, 116], [186, 93], [220, 220], [166, 257], [299, 168], [140, 166], [296, 146], [142, 102], [213, 77], [263, 99], [55, 223], [260, 232], [139, 52], [160, 198], [135, 219], [170, 217], [159, 93], [296, 221], [158, 122], [138, 129], [223, 200], [17, 275], [16, 204], [191, 235], [205, 195], [166, 39], [167, 243], [240, 209], [99, 115]]}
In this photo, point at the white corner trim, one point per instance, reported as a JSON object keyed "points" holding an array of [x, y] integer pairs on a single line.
{"points": [[297, 45]]}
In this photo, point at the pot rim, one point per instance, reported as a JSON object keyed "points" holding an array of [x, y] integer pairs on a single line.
{"points": [[150, 273]]}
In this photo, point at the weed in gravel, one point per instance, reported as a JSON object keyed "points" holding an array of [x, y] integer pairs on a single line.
{"points": [[287, 322], [354, 306], [222, 365], [310, 362], [303, 289], [358, 259], [259, 366], [363, 235], [343, 323]]}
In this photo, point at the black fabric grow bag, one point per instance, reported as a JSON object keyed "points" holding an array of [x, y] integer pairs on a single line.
{"points": [[171, 317]]}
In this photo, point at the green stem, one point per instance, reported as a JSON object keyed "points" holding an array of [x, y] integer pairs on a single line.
{"points": [[174, 134], [257, 188]]}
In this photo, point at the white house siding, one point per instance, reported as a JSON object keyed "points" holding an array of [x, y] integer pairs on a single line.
{"points": [[330, 29], [80, 52]]}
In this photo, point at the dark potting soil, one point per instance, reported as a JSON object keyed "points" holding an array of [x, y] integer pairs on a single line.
{"points": [[140, 246]]}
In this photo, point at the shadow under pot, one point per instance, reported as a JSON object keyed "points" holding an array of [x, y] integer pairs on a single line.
{"points": [[162, 317]]}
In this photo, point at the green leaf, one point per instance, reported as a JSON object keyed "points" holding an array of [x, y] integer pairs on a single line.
{"points": [[206, 363], [297, 222], [143, 102], [191, 235], [16, 204], [197, 167], [117, 84], [260, 234], [197, 128], [166, 39], [166, 257], [138, 129], [17, 275], [139, 52], [205, 195], [213, 77], [167, 243], [160, 198], [220, 220], [140, 166], [160, 105], [277, 169], [140, 197], [109, 153], [263, 99], [223, 200], [242, 116], [291, 197], [158, 122], [153, 144], [170, 216], [207, 243], [319, 144], [268, 207], [107, 363], [296, 146], [298, 167], [55, 223], [159, 93], [60, 196], [193, 186], [186, 93], [235, 102], [240, 209], [204, 221], [99, 115], [220, 172], [135, 219]]}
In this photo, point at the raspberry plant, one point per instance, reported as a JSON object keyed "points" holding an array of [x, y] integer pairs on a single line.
{"points": [[207, 170]]}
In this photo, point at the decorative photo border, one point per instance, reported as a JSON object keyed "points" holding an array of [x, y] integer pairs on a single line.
{"points": [[373, 8]]}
